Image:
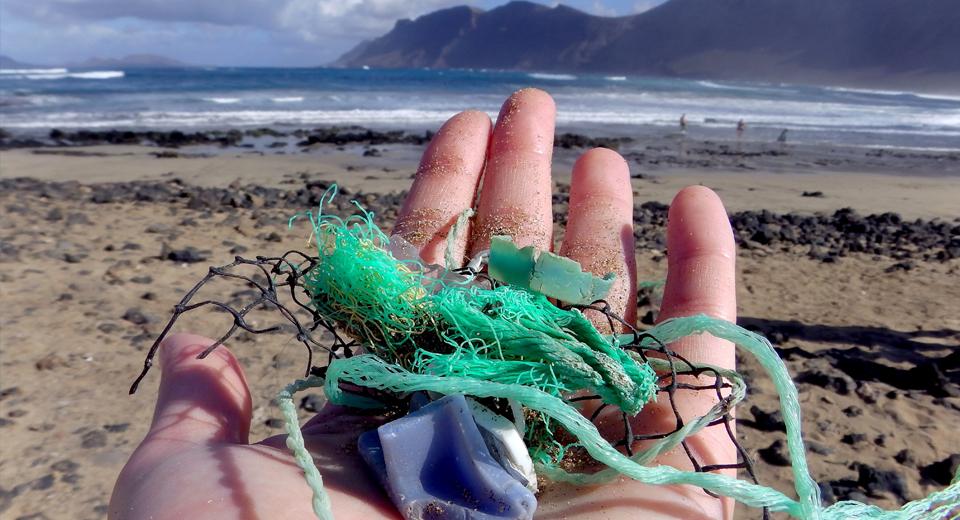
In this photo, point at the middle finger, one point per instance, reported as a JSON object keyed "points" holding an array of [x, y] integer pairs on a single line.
{"points": [[516, 198]]}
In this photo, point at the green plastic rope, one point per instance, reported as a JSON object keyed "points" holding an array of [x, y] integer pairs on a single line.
{"points": [[424, 330], [321, 501], [372, 372]]}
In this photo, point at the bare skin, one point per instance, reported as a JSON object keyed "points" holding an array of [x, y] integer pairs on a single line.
{"points": [[197, 460]]}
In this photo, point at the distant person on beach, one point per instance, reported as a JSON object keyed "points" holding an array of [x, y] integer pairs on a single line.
{"points": [[741, 126], [683, 124], [197, 461], [783, 137]]}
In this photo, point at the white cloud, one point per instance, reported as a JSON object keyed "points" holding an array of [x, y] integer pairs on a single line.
{"points": [[233, 12], [600, 9], [308, 32], [318, 19], [640, 6], [311, 19]]}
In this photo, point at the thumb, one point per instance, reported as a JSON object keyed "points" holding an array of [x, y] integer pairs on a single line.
{"points": [[200, 400]]}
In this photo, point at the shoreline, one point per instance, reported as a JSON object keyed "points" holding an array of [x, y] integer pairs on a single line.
{"points": [[648, 140], [804, 180]]}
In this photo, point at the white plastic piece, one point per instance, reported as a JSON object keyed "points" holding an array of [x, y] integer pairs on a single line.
{"points": [[476, 263], [403, 250], [518, 418], [505, 444]]}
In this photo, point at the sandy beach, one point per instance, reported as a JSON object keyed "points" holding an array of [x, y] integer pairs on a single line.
{"points": [[98, 242]]}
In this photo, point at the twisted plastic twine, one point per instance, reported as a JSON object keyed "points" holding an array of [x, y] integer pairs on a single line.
{"points": [[508, 343]]}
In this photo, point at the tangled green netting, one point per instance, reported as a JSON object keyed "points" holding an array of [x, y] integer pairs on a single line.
{"points": [[425, 330]]}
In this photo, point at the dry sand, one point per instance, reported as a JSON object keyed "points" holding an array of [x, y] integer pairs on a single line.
{"points": [[84, 292]]}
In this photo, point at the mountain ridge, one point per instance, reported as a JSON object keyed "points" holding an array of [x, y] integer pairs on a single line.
{"points": [[6, 62], [130, 61], [854, 42]]}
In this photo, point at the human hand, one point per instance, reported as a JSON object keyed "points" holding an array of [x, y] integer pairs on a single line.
{"points": [[197, 462]]}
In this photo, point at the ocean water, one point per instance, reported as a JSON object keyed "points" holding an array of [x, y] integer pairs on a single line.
{"points": [[36, 100]]}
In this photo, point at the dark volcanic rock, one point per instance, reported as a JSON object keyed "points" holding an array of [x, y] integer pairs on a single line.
{"points": [[312, 403], [94, 439], [818, 448], [135, 316], [356, 135], [905, 457], [828, 378], [877, 481], [853, 438], [65, 466], [906, 265], [567, 141], [942, 472], [775, 454], [827, 237], [768, 422], [928, 376], [853, 411], [9, 252], [9, 392], [274, 422], [188, 255], [116, 428]]}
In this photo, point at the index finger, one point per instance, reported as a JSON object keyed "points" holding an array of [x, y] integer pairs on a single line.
{"points": [[445, 185]]}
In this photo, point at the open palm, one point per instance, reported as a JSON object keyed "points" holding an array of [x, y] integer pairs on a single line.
{"points": [[197, 461]]}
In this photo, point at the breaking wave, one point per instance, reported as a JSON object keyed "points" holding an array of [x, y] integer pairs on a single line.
{"points": [[552, 77]]}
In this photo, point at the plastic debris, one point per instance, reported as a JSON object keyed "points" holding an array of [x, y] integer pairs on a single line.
{"points": [[505, 444], [422, 329], [435, 465], [548, 274]]}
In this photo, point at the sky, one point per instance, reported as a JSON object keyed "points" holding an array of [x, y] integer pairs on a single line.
{"points": [[222, 32]]}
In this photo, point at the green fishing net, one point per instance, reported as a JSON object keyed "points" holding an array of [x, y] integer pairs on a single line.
{"points": [[423, 331], [454, 331], [422, 323]]}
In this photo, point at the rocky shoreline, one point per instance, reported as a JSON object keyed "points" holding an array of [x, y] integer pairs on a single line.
{"points": [[335, 135], [824, 237], [650, 154]]}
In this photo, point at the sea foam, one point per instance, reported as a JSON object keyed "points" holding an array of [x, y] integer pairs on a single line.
{"points": [[552, 77], [53, 74], [33, 71], [223, 100]]}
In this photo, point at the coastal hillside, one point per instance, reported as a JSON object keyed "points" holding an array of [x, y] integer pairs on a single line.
{"points": [[876, 42], [130, 61], [6, 62]]}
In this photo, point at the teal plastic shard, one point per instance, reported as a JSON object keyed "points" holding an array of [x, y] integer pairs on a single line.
{"points": [[551, 275]]}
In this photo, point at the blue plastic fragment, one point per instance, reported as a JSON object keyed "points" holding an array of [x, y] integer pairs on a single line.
{"points": [[435, 465]]}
